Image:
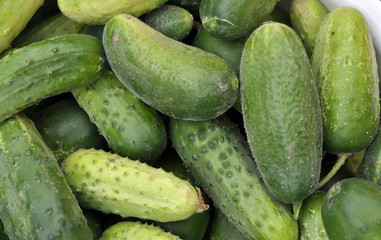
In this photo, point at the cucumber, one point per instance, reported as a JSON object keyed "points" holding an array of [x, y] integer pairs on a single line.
{"points": [[98, 12], [222, 229], [352, 210], [178, 80], [65, 128], [219, 158], [310, 223], [174, 22], [14, 15], [306, 17], [281, 111], [346, 73], [233, 19], [47, 68], [370, 166], [131, 128], [136, 230], [35, 200], [112, 184]]}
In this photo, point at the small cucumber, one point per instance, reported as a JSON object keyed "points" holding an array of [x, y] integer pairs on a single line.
{"points": [[47, 68], [219, 158], [176, 79], [112, 184], [136, 230], [222, 229], [345, 66], [131, 128], [352, 210], [35, 200], [281, 111]]}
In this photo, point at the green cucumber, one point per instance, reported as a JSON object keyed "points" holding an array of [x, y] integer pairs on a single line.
{"points": [[281, 111], [352, 210], [136, 230], [65, 128], [345, 66], [222, 229], [219, 158], [14, 15], [130, 127], [233, 19], [47, 68], [35, 200], [112, 184], [310, 223], [306, 17], [176, 79], [98, 12], [174, 22]]}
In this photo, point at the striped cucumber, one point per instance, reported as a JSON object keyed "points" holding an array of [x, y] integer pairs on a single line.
{"points": [[47, 68], [281, 111], [219, 158], [35, 200]]}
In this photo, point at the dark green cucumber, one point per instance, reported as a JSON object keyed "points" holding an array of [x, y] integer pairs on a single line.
{"points": [[47, 68], [222, 229], [219, 158], [131, 128], [193, 6], [35, 200], [176, 79], [65, 128], [233, 19], [345, 66], [310, 223], [370, 166], [352, 210], [57, 25], [281, 111]]}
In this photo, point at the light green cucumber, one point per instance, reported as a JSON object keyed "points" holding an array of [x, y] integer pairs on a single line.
{"points": [[176, 79], [98, 12], [281, 111], [344, 63], [113, 184], [14, 15], [131, 128], [47, 68]]}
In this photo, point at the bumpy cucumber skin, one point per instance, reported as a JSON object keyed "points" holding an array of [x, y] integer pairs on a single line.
{"points": [[131, 128], [112, 184], [47, 68], [370, 166], [352, 210], [310, 223], [222, 229], [176, 79], [98, 12], [35, 200], [65, 128], [346, 73], [306, 17], [14, 15], [136, 230], [281, 111], [227, 19], [219, 158]]}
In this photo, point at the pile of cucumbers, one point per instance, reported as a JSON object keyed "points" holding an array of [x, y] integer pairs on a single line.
{"points": [[188, 119]]}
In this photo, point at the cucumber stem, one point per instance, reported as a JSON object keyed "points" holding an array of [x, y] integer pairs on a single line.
{"points": [[201, 204], [340, 162]]}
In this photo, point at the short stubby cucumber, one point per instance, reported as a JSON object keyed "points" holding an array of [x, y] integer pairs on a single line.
{"points": [[131, 128], [281, 111], [345, 66], [98, 12], [113, 184], [47, 68], [352, 210], [219, 158], [136, 230], [35, 200], [176, 79]]}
